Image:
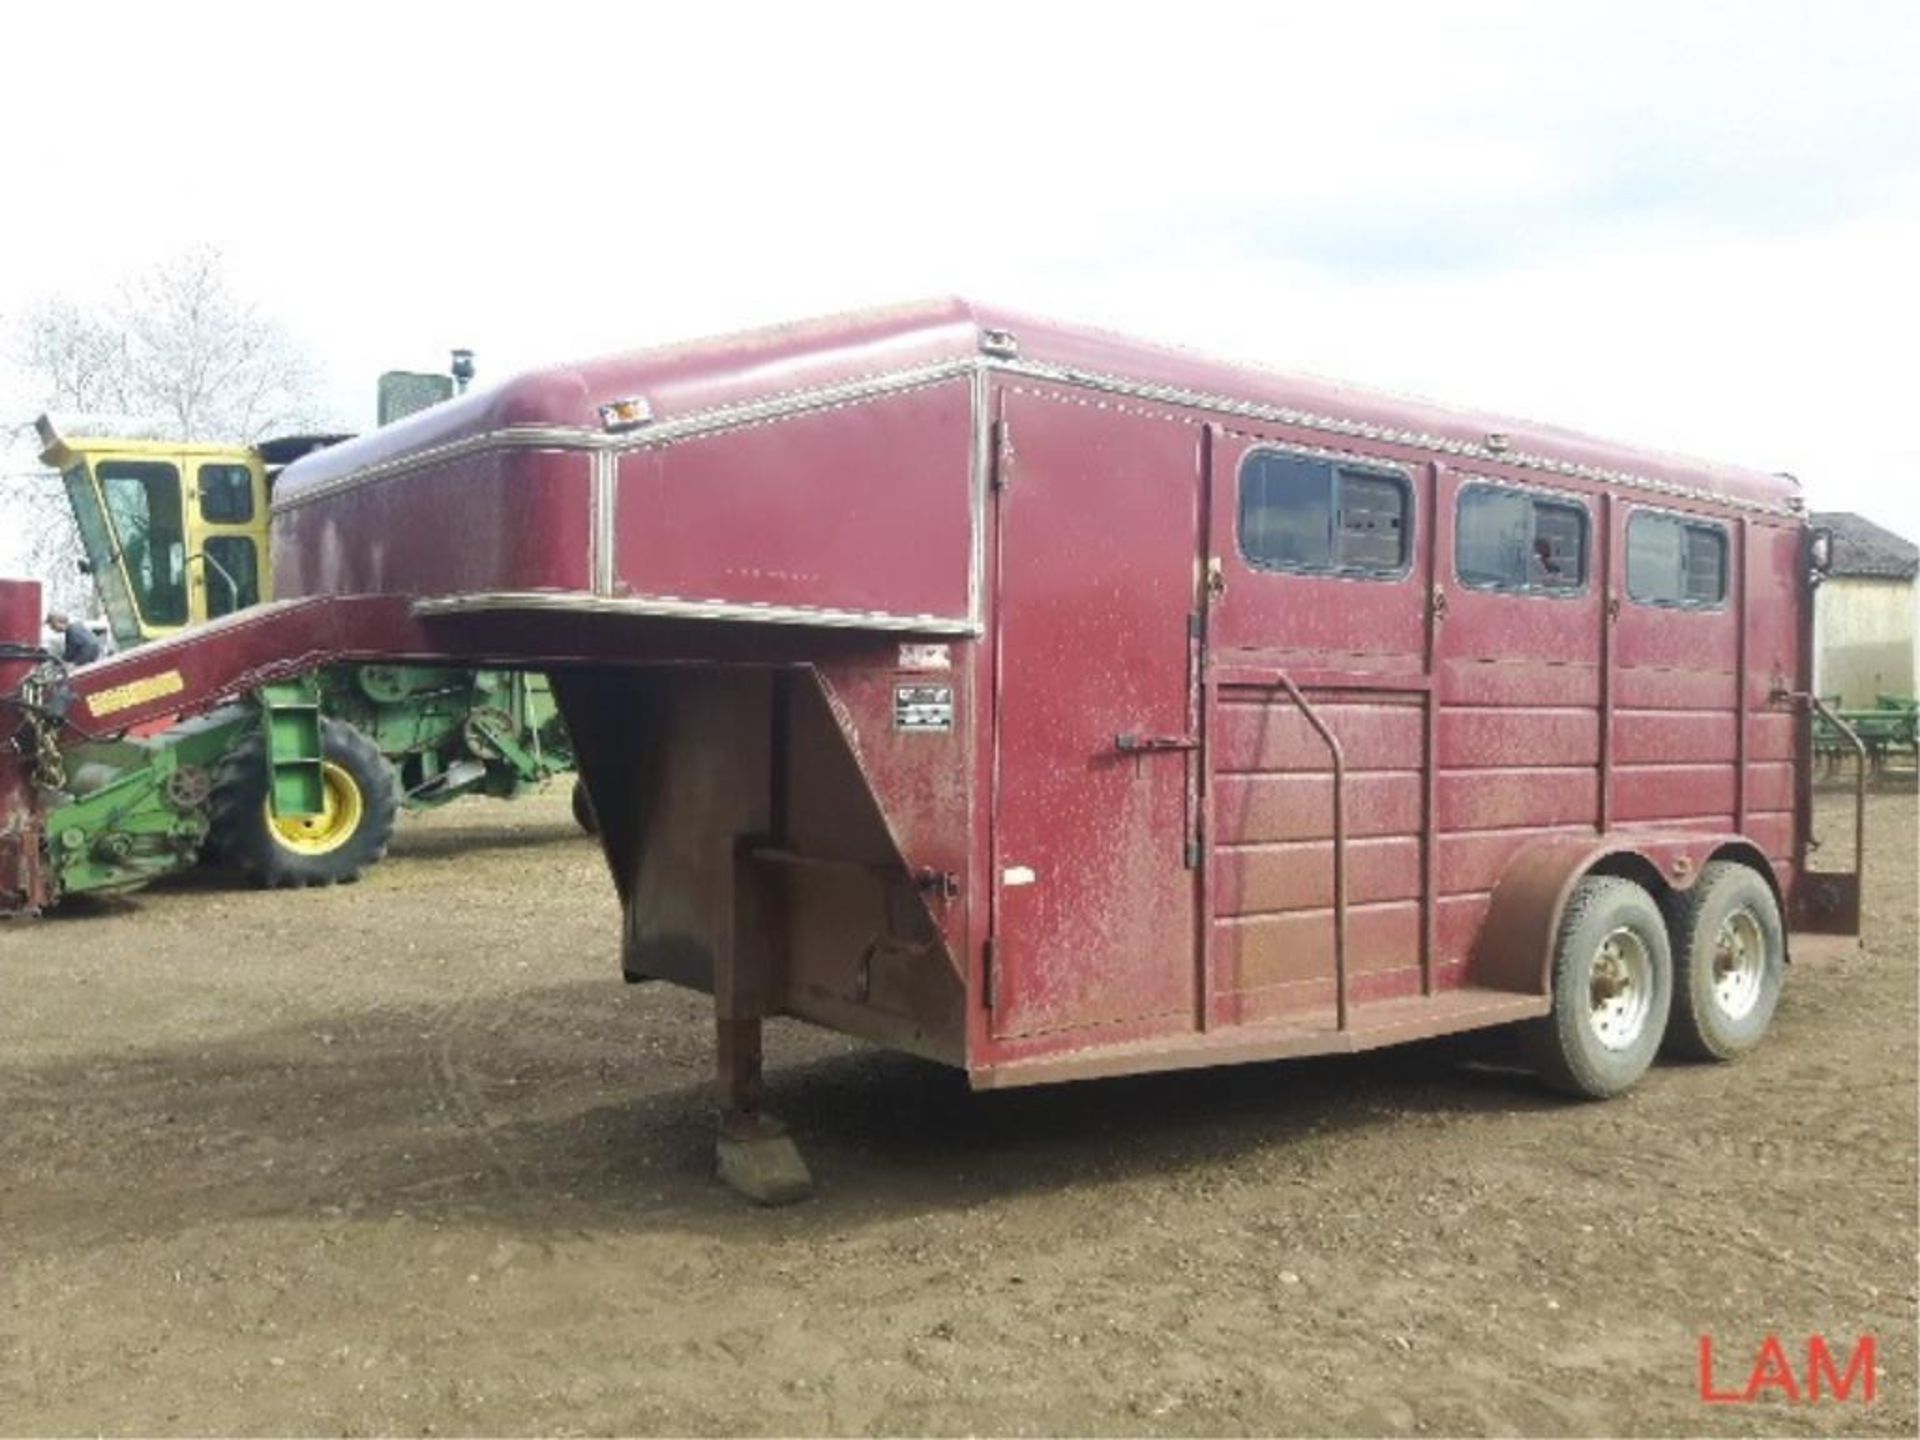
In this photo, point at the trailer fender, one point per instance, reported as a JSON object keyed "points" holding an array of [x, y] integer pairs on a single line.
{"points": [[1514, 950]]}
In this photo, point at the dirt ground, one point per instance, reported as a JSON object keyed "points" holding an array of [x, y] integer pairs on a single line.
{"points": [[407, 1157]]}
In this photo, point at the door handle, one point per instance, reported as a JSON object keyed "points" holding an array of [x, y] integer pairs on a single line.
{"points": [[1140, 744]]}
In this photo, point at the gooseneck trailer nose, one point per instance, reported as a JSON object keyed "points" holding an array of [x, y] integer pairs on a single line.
{"points": [[1051, 705]]}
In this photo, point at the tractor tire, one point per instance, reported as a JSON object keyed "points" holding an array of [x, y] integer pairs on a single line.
{"points": [[1730, 952], [331, 848], [1612, 991], [583, 815]]}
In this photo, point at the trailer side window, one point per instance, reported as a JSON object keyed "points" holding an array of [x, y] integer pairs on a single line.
{"points": [[1314, 514], [1511, 540], [1671, 561]]}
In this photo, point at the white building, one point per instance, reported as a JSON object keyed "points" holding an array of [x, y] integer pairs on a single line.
{"points": [[1864, 617]]}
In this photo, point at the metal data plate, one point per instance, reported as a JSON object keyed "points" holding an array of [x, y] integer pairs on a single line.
{"points": [[926, 709]]}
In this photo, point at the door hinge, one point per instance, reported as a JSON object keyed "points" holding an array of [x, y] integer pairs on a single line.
{"points": [[1193, 853], [990, 954], [1002, 454], [1196, 625], [1216, 580]]}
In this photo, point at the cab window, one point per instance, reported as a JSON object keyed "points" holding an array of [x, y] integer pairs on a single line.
{"points": [[226, 494], [91, 520], [143, 508], [1506, 539], [233, 574]]}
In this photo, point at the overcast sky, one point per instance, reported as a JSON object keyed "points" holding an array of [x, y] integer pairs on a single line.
{"points": [[1689, 226]]}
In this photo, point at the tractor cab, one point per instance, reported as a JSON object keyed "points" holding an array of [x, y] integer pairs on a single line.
{"points": [[175, 533]]}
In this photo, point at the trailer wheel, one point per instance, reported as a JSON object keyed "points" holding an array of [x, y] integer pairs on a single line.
{"points": [[350, 833], [1612, 990], [583, 815], [1731, 952]]}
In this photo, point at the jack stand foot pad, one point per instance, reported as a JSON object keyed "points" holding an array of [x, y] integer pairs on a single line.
{"points": [[759, 1159]]}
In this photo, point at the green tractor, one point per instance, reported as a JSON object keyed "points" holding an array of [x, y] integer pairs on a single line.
{"points": [[296, 783]]}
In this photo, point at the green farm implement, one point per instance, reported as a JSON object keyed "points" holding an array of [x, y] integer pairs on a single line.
{"points": [[1889, 730], [295, 782]]}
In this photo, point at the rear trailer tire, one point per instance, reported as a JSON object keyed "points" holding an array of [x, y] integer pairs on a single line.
{"points": [[1730, 956], [1612, 990], [331, 848]]}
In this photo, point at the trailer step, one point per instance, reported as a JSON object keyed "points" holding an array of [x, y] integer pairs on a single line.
{"points": [[1371, 1025]]}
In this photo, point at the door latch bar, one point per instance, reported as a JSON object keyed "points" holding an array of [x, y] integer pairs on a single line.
{"points": [[1139, 744]]}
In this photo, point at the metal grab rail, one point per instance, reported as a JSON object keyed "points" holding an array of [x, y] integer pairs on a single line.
{"points": [[1339, 843], [233, 586]]}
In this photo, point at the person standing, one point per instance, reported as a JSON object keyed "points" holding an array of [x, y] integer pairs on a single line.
{"points": [[78, 646]]}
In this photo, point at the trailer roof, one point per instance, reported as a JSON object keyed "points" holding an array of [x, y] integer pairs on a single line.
{"points": [[682, 383]]}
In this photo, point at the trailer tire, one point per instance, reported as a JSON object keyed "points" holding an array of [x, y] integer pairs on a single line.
{"points": [[1730, 955], [1612, 989], [333, 848], [583, 814]]}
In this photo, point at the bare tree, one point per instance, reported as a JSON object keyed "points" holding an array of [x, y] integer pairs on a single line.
{"points": [[42, 539], [79, 357], [207, 362], [177, 347], [77, 360]]}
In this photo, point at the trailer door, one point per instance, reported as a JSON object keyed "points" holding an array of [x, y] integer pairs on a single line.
{"points": [[1098, 542], [1319, 618]]}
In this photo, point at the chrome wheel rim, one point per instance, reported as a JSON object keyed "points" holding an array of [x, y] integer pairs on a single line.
{"points": [[1620, 989], [1739, 964]]}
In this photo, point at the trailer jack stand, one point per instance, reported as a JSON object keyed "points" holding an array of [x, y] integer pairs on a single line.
{"points": [[758, 1158], [752, 1149]]}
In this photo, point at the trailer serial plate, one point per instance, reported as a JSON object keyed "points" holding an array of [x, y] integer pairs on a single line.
{"points": [[927, 709]]}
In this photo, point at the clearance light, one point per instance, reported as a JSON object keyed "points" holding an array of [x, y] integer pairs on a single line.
{"points": [[628, 414]]}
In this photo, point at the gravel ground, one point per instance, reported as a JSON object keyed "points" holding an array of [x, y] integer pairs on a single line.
{"points": [[406, 1157]]}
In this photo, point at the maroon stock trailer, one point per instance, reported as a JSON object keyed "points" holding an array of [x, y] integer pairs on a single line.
{"points": [[1052, 705]]}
